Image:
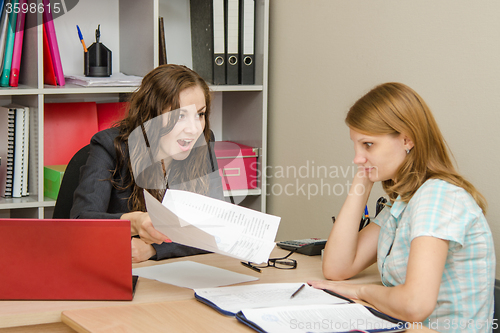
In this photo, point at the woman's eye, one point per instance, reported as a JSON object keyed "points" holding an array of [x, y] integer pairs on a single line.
{"points": [[182, 116], [368, 144], [201, 114]]}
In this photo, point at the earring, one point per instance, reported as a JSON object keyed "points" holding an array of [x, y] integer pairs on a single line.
{"points": [[407, 150]]}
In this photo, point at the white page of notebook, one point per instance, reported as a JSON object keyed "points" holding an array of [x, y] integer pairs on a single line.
{"points": [[316, 318], [235, 298]]}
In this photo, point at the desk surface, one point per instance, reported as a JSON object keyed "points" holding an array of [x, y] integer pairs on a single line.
{"points": [[21, 313], [156, 304]]}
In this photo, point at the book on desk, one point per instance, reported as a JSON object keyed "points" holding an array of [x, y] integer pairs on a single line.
{"points": [[280, 307]]}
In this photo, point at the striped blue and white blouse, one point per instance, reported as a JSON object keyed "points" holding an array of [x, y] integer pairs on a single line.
{"points": [[440, 209]]}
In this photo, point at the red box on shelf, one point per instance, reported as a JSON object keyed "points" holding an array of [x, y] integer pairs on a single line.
{"points": [[237, 165]]}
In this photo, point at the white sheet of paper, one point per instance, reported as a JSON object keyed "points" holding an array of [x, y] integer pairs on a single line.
{"points": [[316, 318], [190, 274], [214, 225], [235, 298]]}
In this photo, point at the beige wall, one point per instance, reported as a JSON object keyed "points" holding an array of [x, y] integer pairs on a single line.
{"points": [[325, 54]]}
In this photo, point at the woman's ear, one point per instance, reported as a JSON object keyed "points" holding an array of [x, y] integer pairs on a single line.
{"points": [[407, 142]]}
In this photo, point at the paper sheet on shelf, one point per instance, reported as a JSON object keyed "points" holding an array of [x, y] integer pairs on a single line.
{"points": [[214, 225], [189, 274], [115, 80]]}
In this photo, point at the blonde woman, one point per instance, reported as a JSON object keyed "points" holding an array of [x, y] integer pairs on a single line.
{"points": [[432, 243]]}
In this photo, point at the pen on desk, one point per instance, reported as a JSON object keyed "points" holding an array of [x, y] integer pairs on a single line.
{"points": [[250, 266], [298, 290], [81, 38]]}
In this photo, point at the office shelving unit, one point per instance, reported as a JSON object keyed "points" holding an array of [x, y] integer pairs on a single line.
{"points": [[130, 29]]}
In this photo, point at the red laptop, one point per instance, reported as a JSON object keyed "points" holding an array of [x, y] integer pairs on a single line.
{"points": [[65, 260]]}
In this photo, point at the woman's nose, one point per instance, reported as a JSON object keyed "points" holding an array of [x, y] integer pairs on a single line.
{"points": [[193, 125], [359, 159]]}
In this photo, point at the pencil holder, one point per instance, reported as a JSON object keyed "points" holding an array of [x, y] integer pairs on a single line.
{"points": [[97, 61]]}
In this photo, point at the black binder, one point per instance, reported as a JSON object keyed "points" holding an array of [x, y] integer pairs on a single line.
{"points": [[219, 55], [247, 40], [202, 35], [232, 41]]}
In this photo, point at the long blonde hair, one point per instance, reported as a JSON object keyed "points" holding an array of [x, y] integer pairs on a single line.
{"points": [[394, 108]]}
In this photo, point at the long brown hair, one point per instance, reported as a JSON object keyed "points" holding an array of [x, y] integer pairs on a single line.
{"points": [[159, 91], [394, 108]]}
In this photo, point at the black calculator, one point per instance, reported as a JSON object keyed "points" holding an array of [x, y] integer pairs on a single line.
{"points": [[308, 246]]}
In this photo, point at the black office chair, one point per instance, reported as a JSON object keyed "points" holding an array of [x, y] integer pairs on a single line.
{"points": [[69, 184]]}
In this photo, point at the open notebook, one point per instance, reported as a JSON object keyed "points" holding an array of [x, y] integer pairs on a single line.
{"points": [[48, 259]]}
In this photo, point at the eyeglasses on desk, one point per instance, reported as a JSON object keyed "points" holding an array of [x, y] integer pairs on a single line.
{"points": [[280, 263]]}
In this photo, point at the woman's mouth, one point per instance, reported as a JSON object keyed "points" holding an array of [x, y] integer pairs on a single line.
{"points": [[185, 144], [368, 170]]}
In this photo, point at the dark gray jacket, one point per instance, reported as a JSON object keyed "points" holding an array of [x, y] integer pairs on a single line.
{"points": [[96, 198]]}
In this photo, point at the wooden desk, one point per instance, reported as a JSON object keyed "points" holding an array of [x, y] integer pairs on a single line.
{"points": [[174, 316], [157, 302], [189, 315], [25, 313]]}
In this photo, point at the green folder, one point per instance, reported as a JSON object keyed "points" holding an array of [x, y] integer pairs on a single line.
{"points": [[9, 47]]}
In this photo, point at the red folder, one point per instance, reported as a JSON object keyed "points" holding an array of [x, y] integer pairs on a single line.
{"points": [[67, 127], [49, 77], [109, 113]]}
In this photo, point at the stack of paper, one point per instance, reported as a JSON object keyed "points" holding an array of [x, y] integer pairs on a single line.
{"points": [[214, 225], [114, 80]]}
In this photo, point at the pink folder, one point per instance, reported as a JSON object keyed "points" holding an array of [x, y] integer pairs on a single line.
{"points": [[49, 77], [18, 47], [52, 39]]}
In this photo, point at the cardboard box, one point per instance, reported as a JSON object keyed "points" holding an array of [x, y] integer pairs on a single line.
{"points": [[237, 165], [52, 178]]}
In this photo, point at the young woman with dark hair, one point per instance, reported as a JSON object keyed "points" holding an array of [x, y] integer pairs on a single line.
{"points": [[163, 142]]}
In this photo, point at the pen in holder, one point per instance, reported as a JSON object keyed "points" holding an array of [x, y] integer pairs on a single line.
{"points": [[97, 60]]}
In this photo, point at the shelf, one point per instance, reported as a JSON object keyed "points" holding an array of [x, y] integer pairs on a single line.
{"points": [[241, 193], [32, 202], [76, 89], [239, 112], [21, 90], [14, 203], [222, 88]]}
